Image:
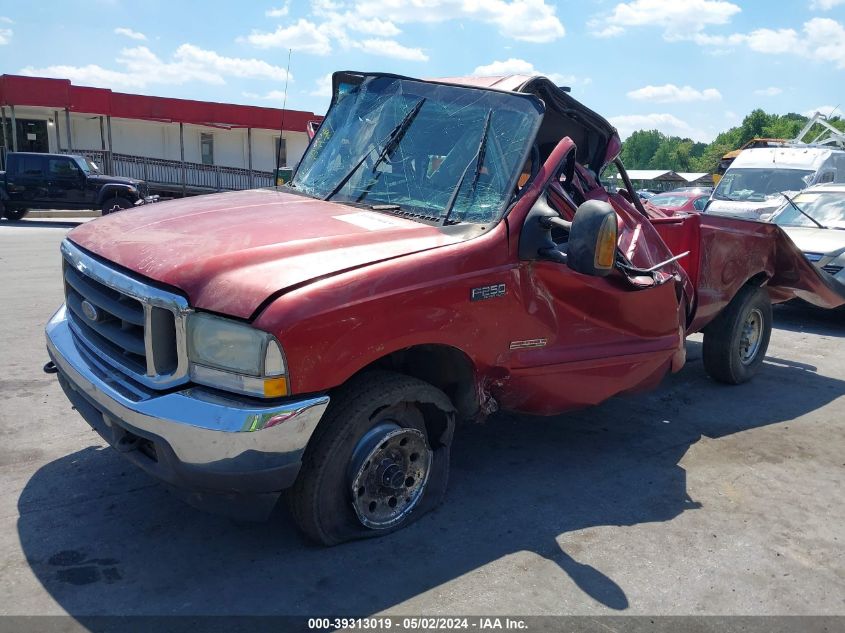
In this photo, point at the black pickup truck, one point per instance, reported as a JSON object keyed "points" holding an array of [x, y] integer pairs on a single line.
{"points": [[64, 181]]}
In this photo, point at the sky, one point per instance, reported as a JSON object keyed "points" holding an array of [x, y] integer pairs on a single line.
{"points": [[691, 68]]}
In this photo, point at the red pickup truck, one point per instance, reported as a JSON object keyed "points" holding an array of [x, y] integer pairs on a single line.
{"points": [[443, 250]]}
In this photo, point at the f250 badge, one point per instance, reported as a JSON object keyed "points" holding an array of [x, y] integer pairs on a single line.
{"points": [[487, 292]]}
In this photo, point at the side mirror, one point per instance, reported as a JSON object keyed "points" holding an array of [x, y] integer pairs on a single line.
{"points": [[592, 239], [765, 217]]}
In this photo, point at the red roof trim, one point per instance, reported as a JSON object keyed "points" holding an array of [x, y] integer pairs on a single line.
{"points": [[61, 94]]}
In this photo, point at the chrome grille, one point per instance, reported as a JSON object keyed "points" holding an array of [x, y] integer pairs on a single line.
{"points": [[130, 324]]}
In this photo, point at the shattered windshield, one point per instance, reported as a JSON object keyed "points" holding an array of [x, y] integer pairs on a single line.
{"points": [[756, 184], [420, 149]]}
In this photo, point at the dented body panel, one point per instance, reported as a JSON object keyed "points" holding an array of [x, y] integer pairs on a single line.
{"points": [[342, 287]]}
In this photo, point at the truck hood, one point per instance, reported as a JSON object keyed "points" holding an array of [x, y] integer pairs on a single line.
{"points": [[104, 180], [745, 209], [814, 240], [229, 252]]}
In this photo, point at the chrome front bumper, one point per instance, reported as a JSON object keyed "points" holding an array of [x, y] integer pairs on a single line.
{"points": [[195, 439], [147, 200]]}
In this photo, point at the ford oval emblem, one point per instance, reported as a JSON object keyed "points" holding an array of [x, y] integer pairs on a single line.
{"points": [[90, 311]]}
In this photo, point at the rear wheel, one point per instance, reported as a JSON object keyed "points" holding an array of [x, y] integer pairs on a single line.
{"points": [[14, 214], [373, 465], [735, 343], [110, 205]]}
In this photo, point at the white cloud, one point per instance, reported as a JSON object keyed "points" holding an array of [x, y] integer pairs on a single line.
{"points": [[333, 24], [5, 33], [323, 86], [825, 5], [608, 31], [670, 93], [525, 20], [514, 66], [273, 95], [372, 26], [771, 91], [135, 35], [142, 67], [305, 36], [391, 48], [310, 37], [666, 123], [677, 19], [821, 39], [826, 110], [279, 12]]}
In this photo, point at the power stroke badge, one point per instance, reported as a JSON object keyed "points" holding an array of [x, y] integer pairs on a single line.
{"points": [[487, 292]]}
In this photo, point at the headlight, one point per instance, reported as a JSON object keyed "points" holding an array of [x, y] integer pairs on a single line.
{"points": [[235, 357]]}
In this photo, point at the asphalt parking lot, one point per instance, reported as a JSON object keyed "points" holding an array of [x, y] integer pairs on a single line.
{"points": [[693, 499]]}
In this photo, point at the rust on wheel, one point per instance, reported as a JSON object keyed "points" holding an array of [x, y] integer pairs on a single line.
{"points": [[389, 471]]}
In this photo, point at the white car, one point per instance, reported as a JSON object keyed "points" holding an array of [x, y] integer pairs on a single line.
{"points": [[815, 220]]}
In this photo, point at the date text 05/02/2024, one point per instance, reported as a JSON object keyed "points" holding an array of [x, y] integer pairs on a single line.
{"points": [[418, 624]]}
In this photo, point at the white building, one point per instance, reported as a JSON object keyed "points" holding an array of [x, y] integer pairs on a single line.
{"points": [[172, 143]]}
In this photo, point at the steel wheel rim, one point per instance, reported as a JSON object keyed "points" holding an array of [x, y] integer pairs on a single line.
{"points": [[751, 336], [390, 467]]}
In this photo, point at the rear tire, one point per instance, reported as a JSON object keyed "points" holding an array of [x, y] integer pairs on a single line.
{"points": [[735, 343], [355, 480], [14, 214], [110, 205]]}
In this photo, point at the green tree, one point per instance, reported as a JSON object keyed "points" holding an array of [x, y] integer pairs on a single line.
{"points": [[639, 148], [650, 149]]}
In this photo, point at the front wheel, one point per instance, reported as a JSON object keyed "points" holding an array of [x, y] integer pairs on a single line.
{"points": [[735, 343], [378, 459], [110, 205]]}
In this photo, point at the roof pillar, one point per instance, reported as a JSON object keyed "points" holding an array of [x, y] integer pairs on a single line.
{"points": [[67, 123], [14, 129]]}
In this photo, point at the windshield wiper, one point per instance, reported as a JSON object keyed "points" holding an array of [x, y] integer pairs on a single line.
{"points": [[388, 145], [478, 157], [802, 212]]}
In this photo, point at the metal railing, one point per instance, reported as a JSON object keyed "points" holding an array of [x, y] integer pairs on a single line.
{"points": [[174, 173]]}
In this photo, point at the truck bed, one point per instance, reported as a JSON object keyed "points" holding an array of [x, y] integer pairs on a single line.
{"points": [[725, 253]]}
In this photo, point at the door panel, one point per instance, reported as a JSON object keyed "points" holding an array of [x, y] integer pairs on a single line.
{"points": [[601, 335], [65, 183], [25, 182]]}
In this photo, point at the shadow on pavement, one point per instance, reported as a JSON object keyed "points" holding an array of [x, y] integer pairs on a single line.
{"points": [[103, 538], [803, 317], [41, 224]]}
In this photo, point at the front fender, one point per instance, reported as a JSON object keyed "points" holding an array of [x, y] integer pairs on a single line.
{"points": [[116, 190]]}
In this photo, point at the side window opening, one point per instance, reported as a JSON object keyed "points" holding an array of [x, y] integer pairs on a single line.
{"points": [[30, 166], [62, 167]]}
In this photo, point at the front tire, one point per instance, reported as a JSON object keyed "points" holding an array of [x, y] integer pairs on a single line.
{"points": [[735, 343], [110, 205], [374, 465]]}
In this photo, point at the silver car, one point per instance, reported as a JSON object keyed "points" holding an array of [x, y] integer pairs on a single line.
{"points": [[815, 220]]}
